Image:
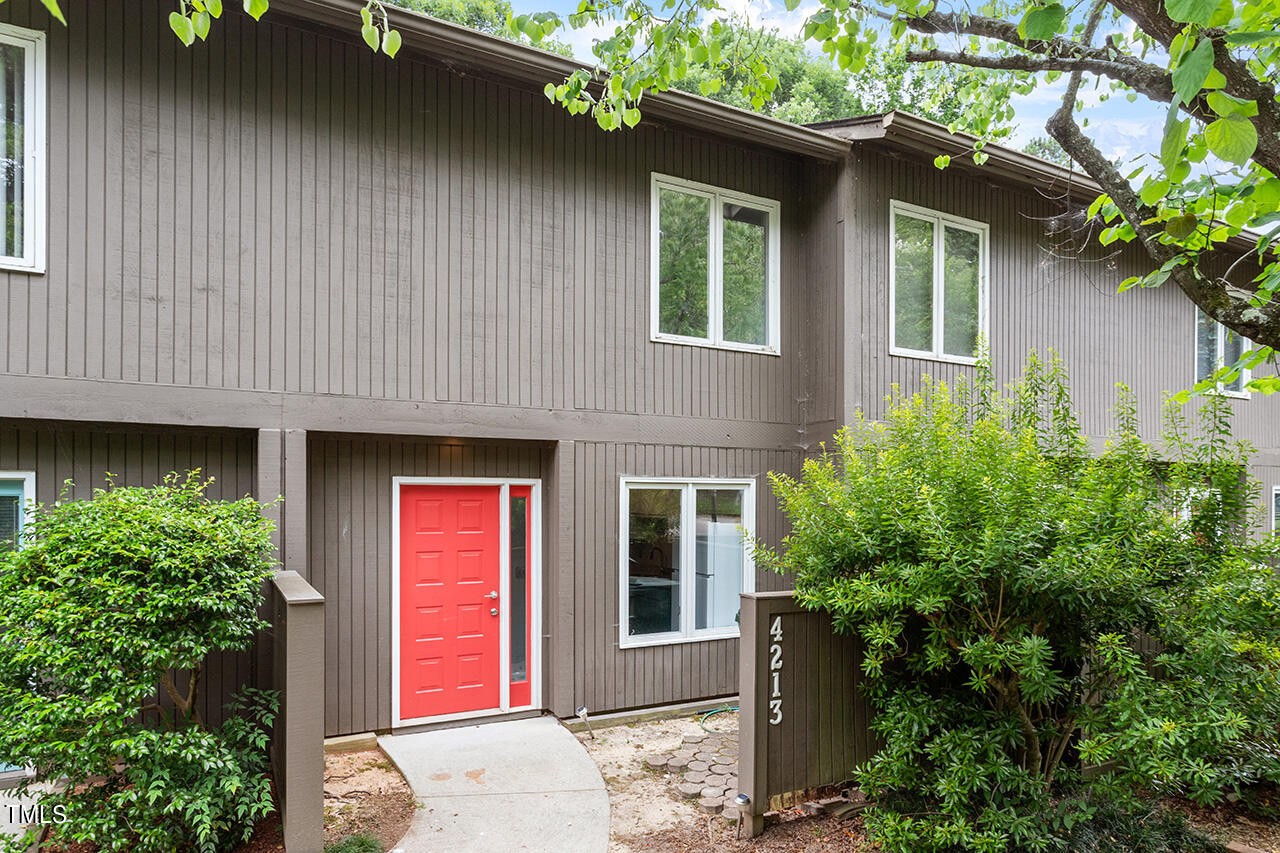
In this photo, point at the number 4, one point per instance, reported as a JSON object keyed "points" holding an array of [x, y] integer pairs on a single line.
{"points": [[776, 628]]}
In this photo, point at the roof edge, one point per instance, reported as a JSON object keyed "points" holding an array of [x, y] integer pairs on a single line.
{"points": [[909, 131], [451, 41]]}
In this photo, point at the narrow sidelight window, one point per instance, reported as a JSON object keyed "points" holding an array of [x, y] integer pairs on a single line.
{"points": [[22, 112], [715, 267], [1217, 347], [1275, 510], [684, 558], [938, 284], [17, 489]]}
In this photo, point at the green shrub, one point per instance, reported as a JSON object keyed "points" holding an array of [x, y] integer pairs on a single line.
{"points": [[105, 602], [359, 843], [1028, 605]]}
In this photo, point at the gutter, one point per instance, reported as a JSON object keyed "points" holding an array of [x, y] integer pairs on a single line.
{"points": [[489, 54]]}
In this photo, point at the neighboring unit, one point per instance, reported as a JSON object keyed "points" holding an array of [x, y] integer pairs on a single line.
{"points": [[520, 382]]}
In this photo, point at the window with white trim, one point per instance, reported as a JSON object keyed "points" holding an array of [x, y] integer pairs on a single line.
{"points": [[685, 560], [1275, 510], [938, 284], [1218, 347], [17, 490], [715, 271], [22, 171]]}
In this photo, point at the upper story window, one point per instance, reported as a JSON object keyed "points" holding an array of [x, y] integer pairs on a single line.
{"points": [[684, 558], [938, 284], [1216, 347], [17, 489], [22, 111], [715, 266]]}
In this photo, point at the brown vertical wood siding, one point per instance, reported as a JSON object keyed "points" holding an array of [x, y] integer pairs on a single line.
{"points": [[137, 456], [1143, 337], [606, 677], [281, 209]]}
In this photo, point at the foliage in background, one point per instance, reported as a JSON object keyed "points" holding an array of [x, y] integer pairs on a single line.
{"points": [[105, 601], [1001, 574]]}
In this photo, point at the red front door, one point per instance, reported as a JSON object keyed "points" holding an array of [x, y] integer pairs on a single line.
{"points": [[450, 568]]}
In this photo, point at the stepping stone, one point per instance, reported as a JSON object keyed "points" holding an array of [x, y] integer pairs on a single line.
{"points": [[689, 790], [713, 793], [694, 738], [711, 806], [656, 762], [730, 795], [715, 781], [683, 753], [694, 777], [705, 756], [675, 764], [722, 769], [697, 766]]}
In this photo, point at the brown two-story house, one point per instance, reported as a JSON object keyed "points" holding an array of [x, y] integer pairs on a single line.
{"points": [[519, 381]]}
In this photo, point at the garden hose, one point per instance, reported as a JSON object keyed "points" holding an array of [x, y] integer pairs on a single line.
{"points": [[709, 714]]}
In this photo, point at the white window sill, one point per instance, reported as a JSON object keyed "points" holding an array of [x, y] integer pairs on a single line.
{"points": [[644, 641], [15, 265], [1235, 395], [709, 344], [929, 356]]}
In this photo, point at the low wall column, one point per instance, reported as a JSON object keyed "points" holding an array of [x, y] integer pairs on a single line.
{"points": [[297, 747]]}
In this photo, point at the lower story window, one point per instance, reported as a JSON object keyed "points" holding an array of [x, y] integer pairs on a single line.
{"points": [[1275, 510], [685, 560], [17, 489]]}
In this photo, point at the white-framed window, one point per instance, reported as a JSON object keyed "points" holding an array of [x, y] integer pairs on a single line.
{"points": [[684, 558], [1275, 510], [937, 283], [17, 490], [714, 261], [22, 149], [1217, 347]]}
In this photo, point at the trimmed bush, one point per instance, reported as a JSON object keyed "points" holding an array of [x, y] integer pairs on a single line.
{"points": [[109, 601]]}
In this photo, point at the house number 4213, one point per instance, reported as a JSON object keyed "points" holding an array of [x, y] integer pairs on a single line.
{"points": [[775, 671]]}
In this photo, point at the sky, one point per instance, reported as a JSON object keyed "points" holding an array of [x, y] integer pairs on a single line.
{"points": [[1121, 129]]}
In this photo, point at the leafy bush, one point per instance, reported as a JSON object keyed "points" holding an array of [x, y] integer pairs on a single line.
{"points": [[1028, 605], [359, 843], [106, 601]]}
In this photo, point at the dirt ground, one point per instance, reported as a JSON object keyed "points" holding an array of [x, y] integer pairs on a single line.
{"points": [[363, 792], [649, 815], [1233, 822]]}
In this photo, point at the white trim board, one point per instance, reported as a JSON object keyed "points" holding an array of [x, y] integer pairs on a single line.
{"points": [[535, 568]]}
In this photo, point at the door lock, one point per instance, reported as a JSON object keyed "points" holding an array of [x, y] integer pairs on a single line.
{"points": [[493, 611]]}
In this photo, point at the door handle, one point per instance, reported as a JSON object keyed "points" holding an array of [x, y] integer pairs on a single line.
{"points": [[493, 594], [493, 611]]}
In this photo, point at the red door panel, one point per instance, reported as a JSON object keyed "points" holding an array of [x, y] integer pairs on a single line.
{"points": [[449, 563]]}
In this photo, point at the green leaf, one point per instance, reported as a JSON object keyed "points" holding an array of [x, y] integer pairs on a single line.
{"points": [[370, 34], [213, 7], [256, 8], [792, 5], [1153, 191], [182, 28], [631, 116], [55, 10], [942, 161], [1042, 23], [1190, 75], [1181, 227], [201, 22], [391, 41], [366, 16], [1191, 11], [1251, 38], [550, 91], [1175, 138], [1225, 105], [1232, 138]]}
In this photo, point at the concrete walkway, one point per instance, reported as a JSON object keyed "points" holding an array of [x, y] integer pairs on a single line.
{"points": [[525, 785]]}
